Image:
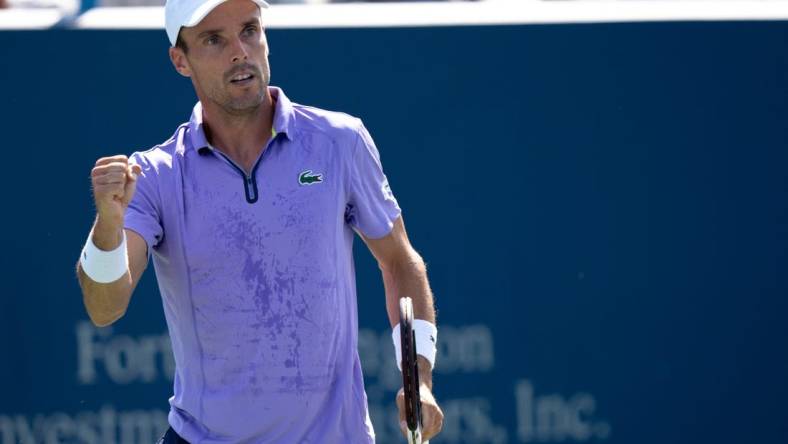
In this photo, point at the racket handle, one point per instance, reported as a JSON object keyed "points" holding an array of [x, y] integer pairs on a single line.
{"points": [[414, 437]]}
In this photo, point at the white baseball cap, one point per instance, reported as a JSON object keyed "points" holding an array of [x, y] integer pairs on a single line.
{"points": [[179, 13]]}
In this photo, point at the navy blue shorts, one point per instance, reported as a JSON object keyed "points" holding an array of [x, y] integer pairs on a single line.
{"points": [[170, 437]]}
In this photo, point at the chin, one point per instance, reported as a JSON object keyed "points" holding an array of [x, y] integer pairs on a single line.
{"points": [[244, 105]]}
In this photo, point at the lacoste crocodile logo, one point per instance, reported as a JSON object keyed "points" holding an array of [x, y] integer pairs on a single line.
{"points": [[307, 178]]}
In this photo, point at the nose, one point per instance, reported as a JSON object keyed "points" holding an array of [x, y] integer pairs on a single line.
{"points": [[239, 53]]}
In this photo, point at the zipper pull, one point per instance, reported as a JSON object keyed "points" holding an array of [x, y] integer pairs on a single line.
{"points": [[252, 194]]}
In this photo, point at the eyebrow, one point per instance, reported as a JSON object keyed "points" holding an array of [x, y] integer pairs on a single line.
{"points": [[208, 32]]}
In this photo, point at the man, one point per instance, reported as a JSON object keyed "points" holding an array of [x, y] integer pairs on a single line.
{"points": [[248, 212]]}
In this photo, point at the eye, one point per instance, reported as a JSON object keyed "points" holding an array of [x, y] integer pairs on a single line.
{"points": [[250, 30], [212, 40]]}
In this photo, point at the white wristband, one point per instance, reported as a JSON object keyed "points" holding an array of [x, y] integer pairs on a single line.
{"points": [[104, 266], [426, 339]]}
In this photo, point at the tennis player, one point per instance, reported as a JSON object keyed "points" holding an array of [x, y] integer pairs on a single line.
{"points": [[249, 212]]}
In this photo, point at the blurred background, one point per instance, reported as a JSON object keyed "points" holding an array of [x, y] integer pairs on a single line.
{"points": [[599, 189]]}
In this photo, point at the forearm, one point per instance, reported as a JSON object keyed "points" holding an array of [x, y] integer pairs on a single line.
{"points": [[425, 371], [409, 278], [105, 303]]}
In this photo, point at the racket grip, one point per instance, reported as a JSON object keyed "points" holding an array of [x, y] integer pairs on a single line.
{"points": [[414, 437]]}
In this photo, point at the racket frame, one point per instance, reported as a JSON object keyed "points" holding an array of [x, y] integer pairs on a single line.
{"points": [[410, 372]]}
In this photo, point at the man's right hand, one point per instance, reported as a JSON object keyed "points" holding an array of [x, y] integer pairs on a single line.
{"points": [[114, 181]]}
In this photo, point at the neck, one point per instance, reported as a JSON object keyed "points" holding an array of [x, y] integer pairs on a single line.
{"points": [[243, 137]]}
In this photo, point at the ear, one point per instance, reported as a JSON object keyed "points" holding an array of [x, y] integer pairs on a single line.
{"points": [[180, 62]]}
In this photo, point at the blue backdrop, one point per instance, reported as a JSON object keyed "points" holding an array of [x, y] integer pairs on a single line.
{"points": [[603, 209]]}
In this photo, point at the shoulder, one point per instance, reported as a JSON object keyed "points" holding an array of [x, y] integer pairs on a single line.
{"points": [[339, 127], [159, 158]]}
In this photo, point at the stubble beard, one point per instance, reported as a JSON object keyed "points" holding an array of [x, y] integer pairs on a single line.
{"points": [[242, 106], [243, 103]]}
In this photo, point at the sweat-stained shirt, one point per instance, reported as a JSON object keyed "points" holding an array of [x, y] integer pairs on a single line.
{"points": [[257, 279]]}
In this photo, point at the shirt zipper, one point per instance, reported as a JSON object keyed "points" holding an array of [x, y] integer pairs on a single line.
{"points": [[250, 180]]}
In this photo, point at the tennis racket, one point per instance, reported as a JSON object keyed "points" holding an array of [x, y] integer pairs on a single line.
{"points": [[410, 372]]}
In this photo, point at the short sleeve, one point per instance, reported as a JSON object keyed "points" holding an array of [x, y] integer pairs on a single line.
{"points": [[143, 213], [372, 208]]}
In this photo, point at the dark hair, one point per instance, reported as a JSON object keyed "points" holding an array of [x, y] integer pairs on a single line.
{"points": [[179, 43]]}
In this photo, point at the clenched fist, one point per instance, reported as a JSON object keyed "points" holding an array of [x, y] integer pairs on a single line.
{"points": [[114, 181]]}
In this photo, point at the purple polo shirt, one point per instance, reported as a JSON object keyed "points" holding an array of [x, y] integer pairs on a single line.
{"points": [[256, 276]]}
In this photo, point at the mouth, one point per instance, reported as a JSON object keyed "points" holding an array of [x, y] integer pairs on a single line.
{"points": [[242, 79]]}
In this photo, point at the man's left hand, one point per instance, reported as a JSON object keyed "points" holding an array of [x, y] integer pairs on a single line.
{"points": [[431, 413]]}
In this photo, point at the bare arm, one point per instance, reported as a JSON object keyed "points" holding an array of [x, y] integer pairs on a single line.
{"points": [[405, 274], [114, 183], [106, 303]]}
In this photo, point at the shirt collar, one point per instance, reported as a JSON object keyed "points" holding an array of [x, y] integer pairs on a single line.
{"points": [[284, 120]]}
